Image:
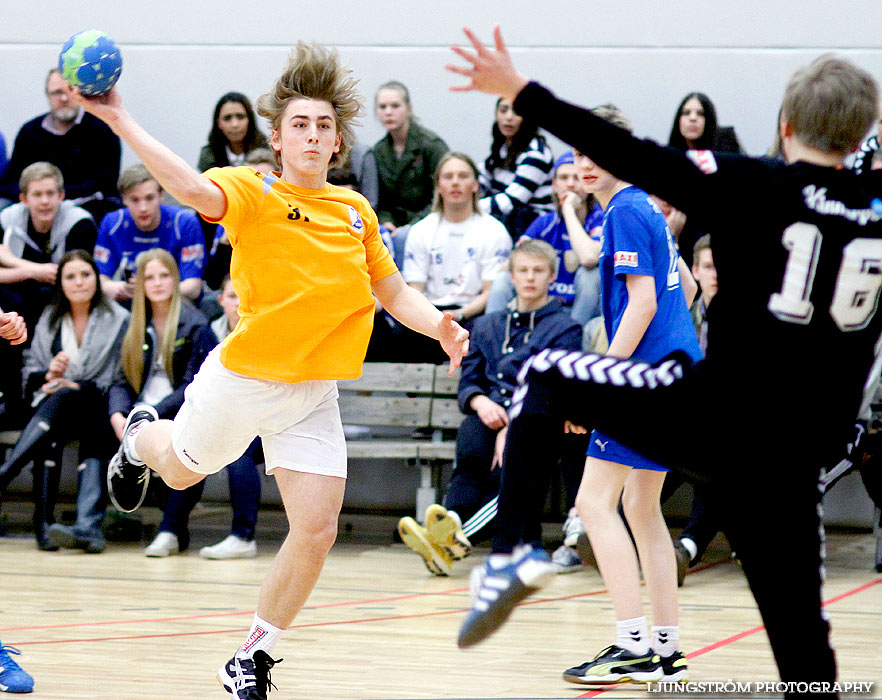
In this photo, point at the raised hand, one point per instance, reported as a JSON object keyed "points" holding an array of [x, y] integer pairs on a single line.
{"points": [[489, 71], [107, 107]]}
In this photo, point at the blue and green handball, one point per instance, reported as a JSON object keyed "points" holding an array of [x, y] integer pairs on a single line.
{"points": [[90, 61]]}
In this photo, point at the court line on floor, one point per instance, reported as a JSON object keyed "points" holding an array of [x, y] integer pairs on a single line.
{"points": [[741, 635], [350, 603]]}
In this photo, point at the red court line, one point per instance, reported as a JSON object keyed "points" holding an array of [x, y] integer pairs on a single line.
{"points": [[747, 633], [537, 601], [228, 614]]}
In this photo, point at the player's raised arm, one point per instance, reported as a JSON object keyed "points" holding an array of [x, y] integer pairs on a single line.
{"points": [[669, 174], [176, 176]]}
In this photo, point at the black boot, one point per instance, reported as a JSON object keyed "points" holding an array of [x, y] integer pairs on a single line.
{"points": [[34, 436], [47, 476]]}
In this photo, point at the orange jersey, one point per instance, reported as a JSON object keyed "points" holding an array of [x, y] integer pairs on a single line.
{"points": [[303, 263]]}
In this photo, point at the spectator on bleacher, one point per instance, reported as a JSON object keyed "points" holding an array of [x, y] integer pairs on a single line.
{"points": [[147, 223], [516, 178], [69, 368], [454, 254], [244, 481], [406, 157], [84, 148], [155, 369], [37, 232], [695, 128], [233, 136], [574, 232], [234, 133], [500, 343]]}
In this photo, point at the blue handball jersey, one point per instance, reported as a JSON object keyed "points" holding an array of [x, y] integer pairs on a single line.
{"points": [[120, 241], [637, 241]]}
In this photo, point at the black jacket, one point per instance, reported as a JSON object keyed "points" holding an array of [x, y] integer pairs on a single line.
{"points": [[123, 395]]}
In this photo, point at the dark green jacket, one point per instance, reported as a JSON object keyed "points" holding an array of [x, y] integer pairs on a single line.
{"points": [[406, 186]]}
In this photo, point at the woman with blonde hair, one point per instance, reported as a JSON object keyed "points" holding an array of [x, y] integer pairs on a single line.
{"points": [[154, 369]]}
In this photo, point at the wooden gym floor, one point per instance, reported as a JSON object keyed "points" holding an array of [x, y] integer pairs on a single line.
{"points": [[378, 627]]}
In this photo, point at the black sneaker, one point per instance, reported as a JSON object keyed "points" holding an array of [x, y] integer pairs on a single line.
{"points": [[616, 665], [248, 679], [127, 480], [674, 668]]}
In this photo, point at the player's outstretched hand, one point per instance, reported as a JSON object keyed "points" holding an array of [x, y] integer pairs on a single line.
{"points": [[107, 107], [454, 340], [489, 71], [13, 328]]}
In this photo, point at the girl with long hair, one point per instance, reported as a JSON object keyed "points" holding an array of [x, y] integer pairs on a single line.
{"points": [[155, 369], [234, 133], [517, 174]]}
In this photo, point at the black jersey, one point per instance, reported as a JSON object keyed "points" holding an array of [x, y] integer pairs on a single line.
{"points": [[798, 250]]}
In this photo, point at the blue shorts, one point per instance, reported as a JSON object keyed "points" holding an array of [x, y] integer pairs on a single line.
{"points": [[606, 448]]}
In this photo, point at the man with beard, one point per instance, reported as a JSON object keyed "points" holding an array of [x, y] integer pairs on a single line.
{"points": [[85, 150]]}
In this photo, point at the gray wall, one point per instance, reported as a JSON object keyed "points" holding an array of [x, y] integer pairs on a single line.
{"points": [[179, 57]]}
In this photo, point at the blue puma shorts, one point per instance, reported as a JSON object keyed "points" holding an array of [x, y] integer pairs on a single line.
{"points": [[606, 448]]}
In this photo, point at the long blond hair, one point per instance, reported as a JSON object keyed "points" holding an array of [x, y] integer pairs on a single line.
{"points": [[132, 356]]}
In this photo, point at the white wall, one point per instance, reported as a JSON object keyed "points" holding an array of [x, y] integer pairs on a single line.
{"points": [[643, 55]]}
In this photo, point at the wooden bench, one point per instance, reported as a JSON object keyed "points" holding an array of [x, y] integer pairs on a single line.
{"points": [[407, 411]]}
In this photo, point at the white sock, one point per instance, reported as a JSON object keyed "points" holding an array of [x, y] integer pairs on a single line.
{"points": [[130, 449], [690, 546], [262, 635], [665, 639], [633, 635]]}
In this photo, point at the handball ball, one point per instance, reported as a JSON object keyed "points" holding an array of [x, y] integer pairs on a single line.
{"points": [[90, 61]]}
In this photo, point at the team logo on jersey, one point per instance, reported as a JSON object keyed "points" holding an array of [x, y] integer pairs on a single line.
{"points": [[704, 160], [355, 219], [623, 257], [189, 253], [102, 254]]}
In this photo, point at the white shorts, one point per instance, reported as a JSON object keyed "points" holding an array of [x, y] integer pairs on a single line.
{"points": [[299, 424]]}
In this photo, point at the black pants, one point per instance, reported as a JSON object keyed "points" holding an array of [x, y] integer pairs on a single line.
{"points": [[768, 490]]}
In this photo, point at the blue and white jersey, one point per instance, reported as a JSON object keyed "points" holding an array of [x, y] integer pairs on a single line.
{"points": [[453, 259], [637, 241], [552, 229], [120, 241]]}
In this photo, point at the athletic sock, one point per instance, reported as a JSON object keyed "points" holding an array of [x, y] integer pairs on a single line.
{"points": [[633, 635], [262, 635], [665, 639], [690, 546]]}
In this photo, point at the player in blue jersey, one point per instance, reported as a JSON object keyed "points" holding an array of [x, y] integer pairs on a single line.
{"points": [[647, 317], [146, 223]]}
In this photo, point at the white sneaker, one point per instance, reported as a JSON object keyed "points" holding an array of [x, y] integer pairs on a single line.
{"points": [[165, 544], [566, 560], [230, 548], [572, 528]]}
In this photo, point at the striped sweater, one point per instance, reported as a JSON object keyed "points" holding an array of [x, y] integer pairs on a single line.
{"points": [[529, 183]]}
